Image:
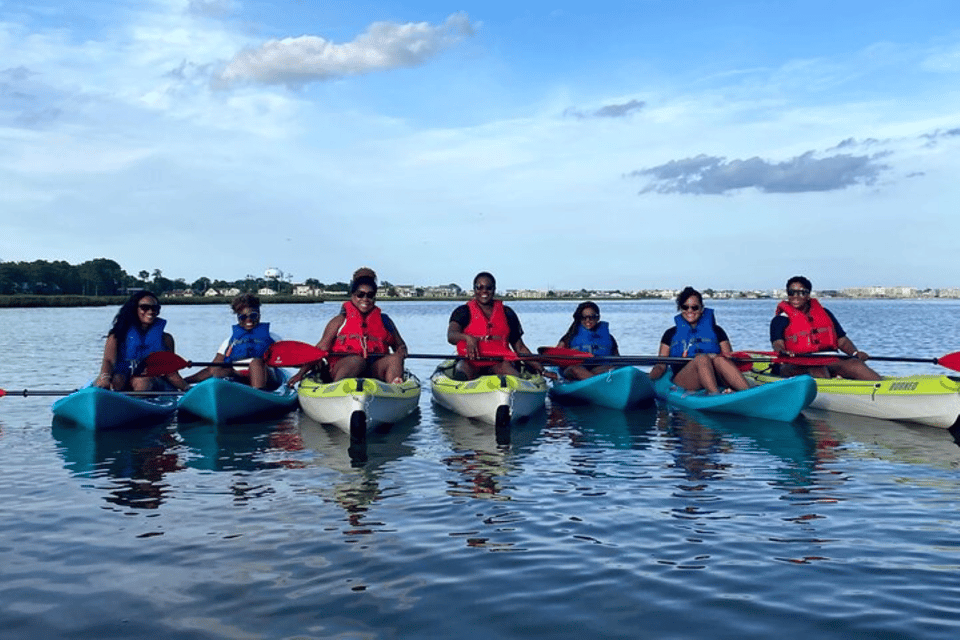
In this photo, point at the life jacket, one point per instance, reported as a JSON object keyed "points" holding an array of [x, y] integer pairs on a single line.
{"points": [[599, 342], [808, 332], [494, 328], [689, 341], [248, 344], [362, 334], [136, 346]]}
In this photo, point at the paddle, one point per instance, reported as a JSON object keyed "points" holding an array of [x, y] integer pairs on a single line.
{"points": [[160, 363], [564, 357], [950, 360], [65, 392], [292, 353]]}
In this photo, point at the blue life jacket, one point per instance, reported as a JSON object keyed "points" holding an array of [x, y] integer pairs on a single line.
{"points": [[137, 346], [248, 344], [598, 342], [689, 341]]}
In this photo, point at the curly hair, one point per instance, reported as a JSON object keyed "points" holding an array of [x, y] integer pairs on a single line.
{"points": [[577, 318], [686, 293]]}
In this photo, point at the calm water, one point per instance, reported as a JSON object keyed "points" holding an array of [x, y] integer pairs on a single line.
{"points": [[592, 524]]}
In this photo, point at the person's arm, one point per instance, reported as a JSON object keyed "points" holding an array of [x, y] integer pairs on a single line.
{"points": [[778, 326], [173, 378], [399, 345], [659, 369], [108, 363], [326, 341], [846, 345], [455, 336]]}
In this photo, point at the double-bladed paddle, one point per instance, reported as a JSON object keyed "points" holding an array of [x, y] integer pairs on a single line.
{"points": [[567, 357], [23, 393]]}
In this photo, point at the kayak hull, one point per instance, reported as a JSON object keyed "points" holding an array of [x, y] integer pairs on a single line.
{"points": [[380, 402], [491, 399], [221, 401], [620, 388], [782, 401], [932, 400], [100, 409]]}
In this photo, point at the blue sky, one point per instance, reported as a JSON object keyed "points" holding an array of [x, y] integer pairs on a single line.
{"points": [[651, 143]]}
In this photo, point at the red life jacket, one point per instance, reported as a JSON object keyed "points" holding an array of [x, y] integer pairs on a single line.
{"points": [[362, 334], [494, 328], [808, 332]]}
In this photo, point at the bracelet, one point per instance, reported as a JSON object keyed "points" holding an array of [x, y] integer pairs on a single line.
{"points": [[103, 375], [855, 354]]}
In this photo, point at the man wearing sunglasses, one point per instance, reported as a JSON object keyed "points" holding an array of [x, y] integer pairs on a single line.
{"points": [[802, 325]]}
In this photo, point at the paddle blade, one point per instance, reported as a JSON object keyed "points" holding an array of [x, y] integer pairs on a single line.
{"points": [[291, 353], [563, 357], [160, 363], [950, 361], [489, 349]]}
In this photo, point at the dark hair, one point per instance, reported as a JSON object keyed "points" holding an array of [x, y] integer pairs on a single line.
{"points": [[577, 318], [127, 315], [800, 280], [245, 300], [484, 274], [367, 280], [686, 293]]}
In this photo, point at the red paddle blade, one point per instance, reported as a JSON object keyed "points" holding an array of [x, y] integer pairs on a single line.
{"points": [[291, 353], [2, 393], [563, 357], [489, 349], [160, 363], [950, 361]]}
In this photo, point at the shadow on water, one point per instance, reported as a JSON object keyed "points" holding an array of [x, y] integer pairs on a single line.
{"points": [[135, 460]]}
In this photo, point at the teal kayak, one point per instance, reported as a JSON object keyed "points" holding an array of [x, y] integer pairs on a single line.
{"points": [[620, 388], [220, 400], [98, 409], [782, 400]]}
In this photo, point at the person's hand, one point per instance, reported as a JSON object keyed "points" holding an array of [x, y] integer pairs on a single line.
{"points": [[102, 381], [471, 347], [861, 355]]}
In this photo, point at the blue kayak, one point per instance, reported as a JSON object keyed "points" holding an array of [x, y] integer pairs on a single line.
{"points": [[620, 388], [782, 400], [220, 400], [98, 409]]}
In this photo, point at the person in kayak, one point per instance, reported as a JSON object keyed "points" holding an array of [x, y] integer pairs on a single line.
{"points": [[697, 336], [486, 319], [802, 325], [362, 341], [247, 343], [137, 331], [591, 335]]}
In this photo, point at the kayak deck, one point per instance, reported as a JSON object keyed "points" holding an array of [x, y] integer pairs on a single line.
{"points": [[99, 409], [220, 400], [782, 401], [619, 388], [380, 402]]}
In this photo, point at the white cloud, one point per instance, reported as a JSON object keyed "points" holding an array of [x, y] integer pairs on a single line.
{"points": [[309, 58]]}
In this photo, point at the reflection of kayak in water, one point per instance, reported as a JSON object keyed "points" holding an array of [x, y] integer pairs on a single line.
{"points": [[619, 388], [783, 400], [926, 399], [616, 428], [873, 438], [268, 444]]}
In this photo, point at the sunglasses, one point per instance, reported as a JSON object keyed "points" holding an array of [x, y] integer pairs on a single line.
{"points": [[365, 294], [149, 307], [253, 315], [483, 287], [590, 316], [690, 307], [798, 292]]}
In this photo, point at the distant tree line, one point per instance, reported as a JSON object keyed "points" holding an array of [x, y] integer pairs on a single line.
{"points": [[104, 277]]}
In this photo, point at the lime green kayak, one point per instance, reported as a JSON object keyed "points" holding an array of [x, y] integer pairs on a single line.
{"points": [[926, 399]]}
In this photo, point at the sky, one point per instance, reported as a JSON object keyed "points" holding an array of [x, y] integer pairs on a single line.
{"points": [[613, 145]]}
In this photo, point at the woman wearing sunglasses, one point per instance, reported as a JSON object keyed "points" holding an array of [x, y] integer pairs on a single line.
{"points": [[696, 335], [591, 335], [248, 341], [137, 331], [486, 319], [803, 325], [362, 340]]}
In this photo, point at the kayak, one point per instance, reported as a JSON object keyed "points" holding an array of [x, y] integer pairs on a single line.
{"points": [[98, 409], [362, 402], [620, 388], [221, 400], [782, 400], [925, 399], [497, 400]]}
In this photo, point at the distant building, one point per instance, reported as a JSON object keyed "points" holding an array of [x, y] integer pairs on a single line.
{"points": [[307, 290]]}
